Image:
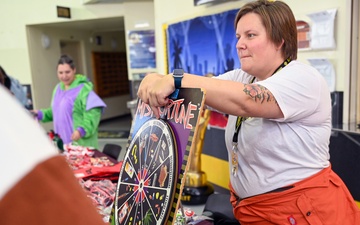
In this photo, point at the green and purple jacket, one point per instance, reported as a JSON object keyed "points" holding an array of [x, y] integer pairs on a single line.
{"points": [[78, 108]]}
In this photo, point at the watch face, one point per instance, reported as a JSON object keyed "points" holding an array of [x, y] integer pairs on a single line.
{"points": [[178, 73], [148, 176]]}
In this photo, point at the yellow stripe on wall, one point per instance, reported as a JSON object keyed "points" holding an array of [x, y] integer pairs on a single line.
{"points": [[164, 28], [216, 170]]}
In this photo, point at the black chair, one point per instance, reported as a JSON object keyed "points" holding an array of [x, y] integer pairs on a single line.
{"points": [[112, 150], [219, 208]]}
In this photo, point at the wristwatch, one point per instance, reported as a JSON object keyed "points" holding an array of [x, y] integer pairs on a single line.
{"points": [[178, 75]]}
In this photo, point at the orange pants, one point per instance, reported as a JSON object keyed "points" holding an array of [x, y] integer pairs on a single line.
{"points": [[322, 199]]}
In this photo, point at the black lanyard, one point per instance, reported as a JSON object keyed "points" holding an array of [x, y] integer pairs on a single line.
{"points": [[240, 119]]}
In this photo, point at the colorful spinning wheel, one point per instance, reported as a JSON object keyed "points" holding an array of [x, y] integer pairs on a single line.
{"points": [[148, 176]]}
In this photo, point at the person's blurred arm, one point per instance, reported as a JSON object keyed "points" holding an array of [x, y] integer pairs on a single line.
{"points": [[37, 185]]}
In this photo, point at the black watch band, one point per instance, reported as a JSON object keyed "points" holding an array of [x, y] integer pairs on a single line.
{"points": [[178, 74]]}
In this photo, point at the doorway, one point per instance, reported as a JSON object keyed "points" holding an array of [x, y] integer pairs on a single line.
{"points": [[354, 82], [73, 49]]}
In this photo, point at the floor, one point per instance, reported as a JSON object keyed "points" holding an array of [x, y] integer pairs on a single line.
{"points": [[124, 123], [118, 123]]}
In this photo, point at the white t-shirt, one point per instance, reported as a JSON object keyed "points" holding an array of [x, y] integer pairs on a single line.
{"points": [[273, 153]]}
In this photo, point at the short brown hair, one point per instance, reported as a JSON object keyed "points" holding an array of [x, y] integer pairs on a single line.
{"points": [[2, 78], [279, 22]]}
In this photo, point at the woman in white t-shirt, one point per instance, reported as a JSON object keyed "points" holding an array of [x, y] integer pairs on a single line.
{"points": [[279, 126]]}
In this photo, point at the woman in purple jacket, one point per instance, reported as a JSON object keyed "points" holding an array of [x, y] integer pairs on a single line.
{"points": [[75, 108]]}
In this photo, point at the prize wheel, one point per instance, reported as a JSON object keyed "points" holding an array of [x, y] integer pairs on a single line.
{"points": [[148, 176]]}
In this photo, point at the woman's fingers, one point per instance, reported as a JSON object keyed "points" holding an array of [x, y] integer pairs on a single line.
{"points": [[154, 90]]}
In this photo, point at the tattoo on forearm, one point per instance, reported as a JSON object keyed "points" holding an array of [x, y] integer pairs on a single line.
{"points": [[258, 93]]}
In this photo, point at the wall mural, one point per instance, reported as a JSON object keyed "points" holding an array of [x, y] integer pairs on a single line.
{"points": [[203, 44]]}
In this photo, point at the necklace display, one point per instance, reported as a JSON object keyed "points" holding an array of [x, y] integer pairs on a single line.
{"points": [[239, 120]]}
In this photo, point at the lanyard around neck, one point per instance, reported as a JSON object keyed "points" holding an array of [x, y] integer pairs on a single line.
{"points": [[240, 119]]}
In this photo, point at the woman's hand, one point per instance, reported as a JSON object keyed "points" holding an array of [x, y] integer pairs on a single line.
{"points": [[34, 113], [155, 89], [75, 135]]}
